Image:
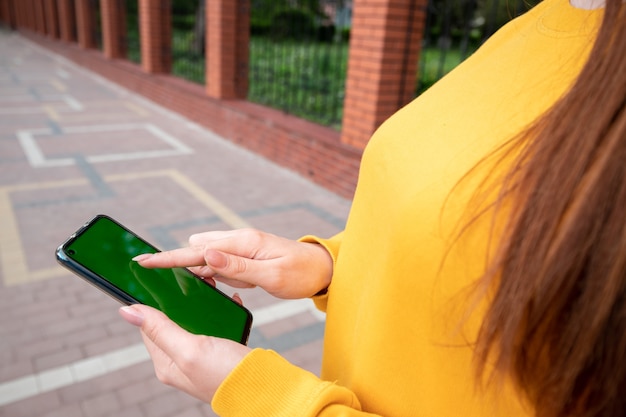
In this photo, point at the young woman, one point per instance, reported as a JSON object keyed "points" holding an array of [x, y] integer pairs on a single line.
{"points": [[482, 270]]}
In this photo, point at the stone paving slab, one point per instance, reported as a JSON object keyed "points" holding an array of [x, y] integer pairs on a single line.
{"points": [[73, 145]]}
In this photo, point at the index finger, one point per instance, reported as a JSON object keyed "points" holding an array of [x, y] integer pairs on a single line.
{"points": [[182, 257]]}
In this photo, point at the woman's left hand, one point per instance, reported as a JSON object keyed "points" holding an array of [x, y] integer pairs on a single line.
{"points": [[194, 364]]}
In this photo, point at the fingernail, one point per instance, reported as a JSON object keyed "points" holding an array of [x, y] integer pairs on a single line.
{"points": [[131, 315], [237, 299], [142, 257]]}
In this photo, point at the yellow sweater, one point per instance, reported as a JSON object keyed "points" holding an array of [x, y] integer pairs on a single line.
{"points": [[396, 343]]}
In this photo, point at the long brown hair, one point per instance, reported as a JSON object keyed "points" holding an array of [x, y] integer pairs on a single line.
{"points": [[556, 322]]}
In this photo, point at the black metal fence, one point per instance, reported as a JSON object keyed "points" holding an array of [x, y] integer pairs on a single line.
{"points": [[299, 48], [298, 57]]}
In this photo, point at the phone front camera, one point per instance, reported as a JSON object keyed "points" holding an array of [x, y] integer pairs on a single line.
{"points": [[71, 252]]}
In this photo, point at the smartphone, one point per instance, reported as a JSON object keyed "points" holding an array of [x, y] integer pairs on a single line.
{"points": [[101, 252]]}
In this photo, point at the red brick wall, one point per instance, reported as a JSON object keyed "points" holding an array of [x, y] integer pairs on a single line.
{"points": [[382, 64]]}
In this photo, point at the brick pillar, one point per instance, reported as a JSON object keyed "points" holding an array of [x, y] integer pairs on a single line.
{"points": [[5, 14], [113, 28], [20, 14], [155, 27], [382, 64], [29, 13], [20, 19], [228, 37], [37, 16], [50, 12], [25, 13], [85, 24], [4, 11], [40, 18], [67, 22], [8, 13]]}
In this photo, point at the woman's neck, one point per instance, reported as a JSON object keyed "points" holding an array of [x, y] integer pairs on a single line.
{"points": [[587, 4]]}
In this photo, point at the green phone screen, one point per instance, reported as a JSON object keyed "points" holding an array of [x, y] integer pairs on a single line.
{"points": [[107, 248]]}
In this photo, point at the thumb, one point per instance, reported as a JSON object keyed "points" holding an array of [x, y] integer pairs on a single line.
{"points": [[132, 314], [148, 318], [156, 326]]}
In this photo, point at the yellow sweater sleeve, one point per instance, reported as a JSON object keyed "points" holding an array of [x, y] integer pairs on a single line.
{"points": [[332, 245], [265, 378]]}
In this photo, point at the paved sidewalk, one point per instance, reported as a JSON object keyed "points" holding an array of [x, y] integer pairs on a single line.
{"points": [[73, 145]]}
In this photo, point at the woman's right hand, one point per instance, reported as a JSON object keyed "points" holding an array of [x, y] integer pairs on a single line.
{"points": [[246, 258]]}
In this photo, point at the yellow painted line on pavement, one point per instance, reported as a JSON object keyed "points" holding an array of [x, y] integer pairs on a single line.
{"points": [[44, 185], [223, 212], [52, 113], [136, 109], [59, 86], [12, 255]]}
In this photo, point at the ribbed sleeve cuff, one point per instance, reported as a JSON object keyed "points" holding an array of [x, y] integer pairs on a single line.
{"points": [[332, 245], [265, 384]]}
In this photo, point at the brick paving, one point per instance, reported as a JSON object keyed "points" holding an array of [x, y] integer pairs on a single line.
{"points": [[73, 145]]}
